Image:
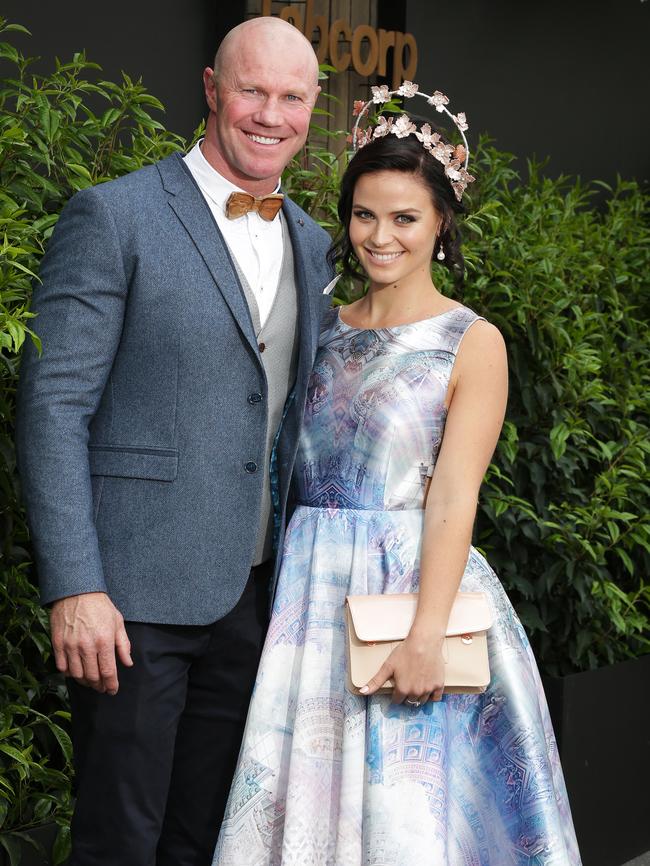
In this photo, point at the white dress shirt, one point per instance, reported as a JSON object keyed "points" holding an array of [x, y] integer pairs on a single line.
{"points": [[256, 244]]}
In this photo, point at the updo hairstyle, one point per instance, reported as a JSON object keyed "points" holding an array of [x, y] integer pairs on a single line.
{"points": [[390, 153]]}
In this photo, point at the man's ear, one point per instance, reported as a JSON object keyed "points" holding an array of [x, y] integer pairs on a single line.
{"points": [[210, 88]]}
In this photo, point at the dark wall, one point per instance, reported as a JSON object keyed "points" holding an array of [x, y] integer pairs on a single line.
{"points": [[167, 43], [567, 80], [559, 79]]}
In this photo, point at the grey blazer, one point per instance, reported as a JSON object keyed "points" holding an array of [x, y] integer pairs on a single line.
{"points": [[139, 453]]}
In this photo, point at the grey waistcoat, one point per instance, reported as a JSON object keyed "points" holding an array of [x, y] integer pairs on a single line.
{"points": [[280, 338]]}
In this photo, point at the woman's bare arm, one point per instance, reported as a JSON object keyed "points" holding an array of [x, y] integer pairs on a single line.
{"points": [[477, 401]]}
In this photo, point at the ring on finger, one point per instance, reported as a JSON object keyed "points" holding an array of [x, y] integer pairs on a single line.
{"points": [[413, 703]]}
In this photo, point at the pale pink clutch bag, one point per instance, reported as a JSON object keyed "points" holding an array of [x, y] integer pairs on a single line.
{"points": [[376, 624]]}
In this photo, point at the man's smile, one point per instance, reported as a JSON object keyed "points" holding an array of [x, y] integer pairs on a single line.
{"points": [[262, 139]]}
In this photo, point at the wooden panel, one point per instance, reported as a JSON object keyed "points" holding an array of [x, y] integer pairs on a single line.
{"points": [[362, 12], [348, 85], [338, 84]]}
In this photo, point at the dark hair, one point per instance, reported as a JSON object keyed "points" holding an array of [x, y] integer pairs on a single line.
{"points": [[390, 153]]}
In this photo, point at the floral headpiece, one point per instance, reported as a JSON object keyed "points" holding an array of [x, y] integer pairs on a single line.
{"points": [[454, 159]]}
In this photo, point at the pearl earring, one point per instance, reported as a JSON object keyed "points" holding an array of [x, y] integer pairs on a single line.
{"points": [[441, 254]]}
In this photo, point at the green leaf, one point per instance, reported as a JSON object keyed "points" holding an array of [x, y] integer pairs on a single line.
{"points": [[62, 847], [81, 170], [625, 559], [13, 848], [17, 28], [18, 756], [530, 615]]}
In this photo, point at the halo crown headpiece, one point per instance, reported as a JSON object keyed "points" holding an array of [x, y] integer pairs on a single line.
{"points": [[454, 159]]}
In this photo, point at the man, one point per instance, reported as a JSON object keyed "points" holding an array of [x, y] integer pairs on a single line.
{"points": [[174, 328]]}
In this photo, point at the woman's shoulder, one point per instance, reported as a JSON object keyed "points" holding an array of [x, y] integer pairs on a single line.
{"points": [[469, 320], [481, 341], [464, 323]]}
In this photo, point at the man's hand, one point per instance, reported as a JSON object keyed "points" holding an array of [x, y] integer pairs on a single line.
{"points": [[86, 631]]}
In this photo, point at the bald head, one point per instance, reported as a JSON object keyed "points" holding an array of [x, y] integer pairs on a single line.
{"points": [[261, 94], [273, 36]]}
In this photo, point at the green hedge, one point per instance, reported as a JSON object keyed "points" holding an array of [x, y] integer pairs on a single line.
{"points": [[560, 267], [58, 134]]}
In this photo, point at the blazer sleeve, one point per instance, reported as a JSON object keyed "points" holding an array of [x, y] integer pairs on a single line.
{"points": [[79, 303]]}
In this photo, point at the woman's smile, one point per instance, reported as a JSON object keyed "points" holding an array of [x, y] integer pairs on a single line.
{"points": [[393, 227], [384, 258]]}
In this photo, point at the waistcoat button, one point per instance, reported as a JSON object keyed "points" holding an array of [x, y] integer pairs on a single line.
{"points": [[262, 346], [254, 398], [251, 467]]}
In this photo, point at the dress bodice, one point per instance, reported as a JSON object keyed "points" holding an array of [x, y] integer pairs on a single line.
{"points": [[376, 412]]}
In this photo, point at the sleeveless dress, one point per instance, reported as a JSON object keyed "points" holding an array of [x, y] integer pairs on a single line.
{"points": [[327, 778]]}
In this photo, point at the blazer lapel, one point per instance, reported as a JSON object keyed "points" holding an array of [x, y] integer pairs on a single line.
{"points": [[306, 319], [187, 202]]}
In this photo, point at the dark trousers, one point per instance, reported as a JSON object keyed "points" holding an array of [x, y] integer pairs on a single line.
{"points": [[154, 763]]}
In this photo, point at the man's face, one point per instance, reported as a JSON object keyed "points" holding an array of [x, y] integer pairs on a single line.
{"points": [[262, 105]]}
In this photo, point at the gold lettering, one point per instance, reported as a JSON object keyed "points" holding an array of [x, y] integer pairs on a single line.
{"points": [[339, 28], [329, 42], [386, 41], [292, 14], [367, 67]]}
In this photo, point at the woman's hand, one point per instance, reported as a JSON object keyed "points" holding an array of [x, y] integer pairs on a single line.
{"points": [[416, 667]]}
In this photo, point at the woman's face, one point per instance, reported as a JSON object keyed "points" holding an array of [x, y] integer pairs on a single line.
{"points": [[393, 227]]}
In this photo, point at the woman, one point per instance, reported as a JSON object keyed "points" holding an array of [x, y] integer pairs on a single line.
{"points": [[408, 386]]}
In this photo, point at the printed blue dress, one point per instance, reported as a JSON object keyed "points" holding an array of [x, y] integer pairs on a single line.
{"points": [[326, 778]]}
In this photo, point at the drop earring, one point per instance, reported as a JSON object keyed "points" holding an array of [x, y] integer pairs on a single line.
{"points": [[441, 254]]}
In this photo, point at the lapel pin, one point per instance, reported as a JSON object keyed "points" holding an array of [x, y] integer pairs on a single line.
{"points": [[301, 221]]}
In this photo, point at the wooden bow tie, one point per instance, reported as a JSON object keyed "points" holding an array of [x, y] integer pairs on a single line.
{"points": [[240, 203]]}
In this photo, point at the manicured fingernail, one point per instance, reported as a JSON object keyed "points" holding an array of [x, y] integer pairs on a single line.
{"points": [[363, 690]]}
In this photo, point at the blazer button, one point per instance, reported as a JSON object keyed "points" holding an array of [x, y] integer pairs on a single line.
{"points": [[251, 467], [262, 346], [254, 398]]}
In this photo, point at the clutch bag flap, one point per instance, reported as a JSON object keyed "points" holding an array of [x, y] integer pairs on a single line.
{"points": [[376, 624], [390, 617]]}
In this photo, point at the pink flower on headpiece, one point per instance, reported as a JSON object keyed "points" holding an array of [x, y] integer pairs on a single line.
{"points": [[384, 126], [460, 185], [408, 89], [359, 105], [442, 152], [429, 139], [466, 176], [460, 120], [459, 189], [439, 100], [403, 126], [360, 138], [380, 94], [452, 170], [364, 137], [460, 153]]}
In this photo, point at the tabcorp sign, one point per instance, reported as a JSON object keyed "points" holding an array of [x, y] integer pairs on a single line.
{"points": [[368, 47]]}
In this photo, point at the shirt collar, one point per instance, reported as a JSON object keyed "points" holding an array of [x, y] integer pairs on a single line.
{"points": [[213, 184]]}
